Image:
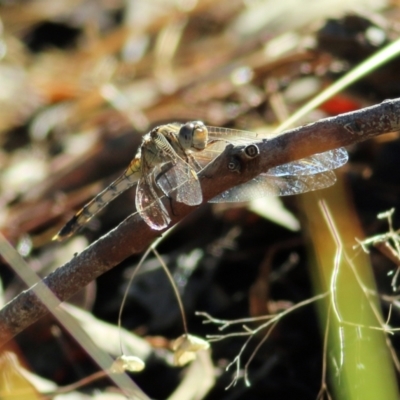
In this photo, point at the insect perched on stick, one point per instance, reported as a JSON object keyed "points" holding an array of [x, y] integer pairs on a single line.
{"points": [[171, 156]]}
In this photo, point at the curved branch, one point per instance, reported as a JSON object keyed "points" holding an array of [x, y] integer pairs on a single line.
{"points": [[133, 235]]}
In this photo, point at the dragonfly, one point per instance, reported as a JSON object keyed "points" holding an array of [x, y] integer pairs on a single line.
{"points": [[171, 156]]}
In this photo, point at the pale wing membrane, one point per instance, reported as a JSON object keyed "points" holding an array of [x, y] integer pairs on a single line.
{"points": [[266, 185], [307, 174], [218, 139], [314, 164], [210, 153], [179, 176], [156, 152], [149, 206], [307, 166], [234, 136]]}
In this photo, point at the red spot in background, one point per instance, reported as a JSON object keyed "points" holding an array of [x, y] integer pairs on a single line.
{"points": [[340, 103]]}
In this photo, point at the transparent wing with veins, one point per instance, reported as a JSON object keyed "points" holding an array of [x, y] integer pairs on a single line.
{"points": [[308, 174], [163, 168], [179, 177], [270, 185], [182, 178], [148, 203]]}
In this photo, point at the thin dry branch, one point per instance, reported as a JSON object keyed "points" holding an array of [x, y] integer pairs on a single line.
{"points": [[133, 235]]}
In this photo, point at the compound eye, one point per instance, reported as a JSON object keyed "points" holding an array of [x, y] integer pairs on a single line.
{"points": [[186, 133], [200, 136]]}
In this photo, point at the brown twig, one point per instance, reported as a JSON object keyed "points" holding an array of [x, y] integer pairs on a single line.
{"points": [[133, 235]]}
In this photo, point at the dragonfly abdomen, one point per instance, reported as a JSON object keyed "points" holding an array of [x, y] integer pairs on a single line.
{"points": [[85, 214]]}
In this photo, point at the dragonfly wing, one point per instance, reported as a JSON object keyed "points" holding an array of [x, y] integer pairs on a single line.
{"points": [[218, 139], [149, 205], [210, 153], [314, 164], [267, 185], [234, 136], [181, 177]]}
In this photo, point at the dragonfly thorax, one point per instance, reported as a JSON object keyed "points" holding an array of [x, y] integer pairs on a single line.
{"points": [[156, 150], [193, 135]]}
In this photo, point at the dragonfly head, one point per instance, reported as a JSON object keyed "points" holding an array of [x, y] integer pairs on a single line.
{"points": [[193, 135]]}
